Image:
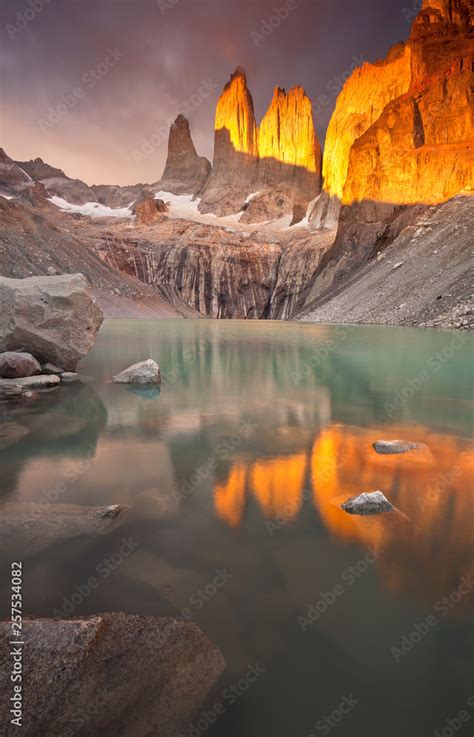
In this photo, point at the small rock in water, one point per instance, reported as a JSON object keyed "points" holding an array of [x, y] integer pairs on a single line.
{"points": [[110, 512], [397, 265], [373, 502], [50, 368], [15, 365], [387, 447], [146, 372], [69, 376]]}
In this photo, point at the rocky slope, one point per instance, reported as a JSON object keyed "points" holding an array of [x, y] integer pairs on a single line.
{"points": [[185, 172]]}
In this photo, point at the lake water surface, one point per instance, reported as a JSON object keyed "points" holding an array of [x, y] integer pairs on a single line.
{"points": [[234, 474]]}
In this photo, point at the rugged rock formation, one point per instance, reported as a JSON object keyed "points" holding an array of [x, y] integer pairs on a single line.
{"points": [[147, 210], [389, 163], [37, 169], [114, 196], [402, 131], [290, 154], [234, 168], [11, 176], [185, 172], [109, 674], [56, 318]]}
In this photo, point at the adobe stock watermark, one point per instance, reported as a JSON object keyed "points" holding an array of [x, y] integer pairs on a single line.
{"points": [[88, 81], [223, 451], [160, 133], [348, 577], [335, 86], [207, 592], [441, 609], [165, 5], [320, 354], [25, 16], [269, 25], [329, 721], [228, 697], [455, 722], [103, 570], [435, 363], [436, 490], [411, 13]]}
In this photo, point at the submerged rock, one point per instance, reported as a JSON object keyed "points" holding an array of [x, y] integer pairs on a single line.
{"points": [[145, 372], [55, 317], [387, 447], [15, 365], [31, 527], [373, 502], [11, 433], [109, 675]]}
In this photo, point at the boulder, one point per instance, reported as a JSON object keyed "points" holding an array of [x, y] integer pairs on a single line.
{"points": [[373, 502], [16, 365], [146, 372], [56, 318], [109, 675], [388, 447], [148, 210], [27, 528]]}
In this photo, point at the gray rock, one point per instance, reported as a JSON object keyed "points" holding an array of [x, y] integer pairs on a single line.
{"points": [[16, 365], [30, 527], [109, 675], [55, 317], [50, 368], [387, 447], [373, 502], [69, 377], [32, 382], [146, 372]]}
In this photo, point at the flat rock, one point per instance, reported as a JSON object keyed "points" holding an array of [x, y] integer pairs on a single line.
{"points": [[30, 527], [15, 365], [144, 675], [373, 502], [55, 317], [388, 447], [69, 377], [31, 382], [146, 372], [50, 368]]}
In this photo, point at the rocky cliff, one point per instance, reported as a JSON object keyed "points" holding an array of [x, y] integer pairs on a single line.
{"points": [[418, 149], [289, 159], [185, 172], [235, 162]]}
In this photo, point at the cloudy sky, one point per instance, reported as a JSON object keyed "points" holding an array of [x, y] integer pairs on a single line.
{"points": [[91, 86]]}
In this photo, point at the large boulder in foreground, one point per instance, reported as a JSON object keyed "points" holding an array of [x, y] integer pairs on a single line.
{"points": [[56, 318], [109, 675]]}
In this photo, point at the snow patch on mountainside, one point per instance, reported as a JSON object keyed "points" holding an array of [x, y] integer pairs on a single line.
{"points": [[92, 209]]}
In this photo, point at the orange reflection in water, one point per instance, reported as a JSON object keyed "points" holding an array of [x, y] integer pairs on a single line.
{"points": [[425, 545]]}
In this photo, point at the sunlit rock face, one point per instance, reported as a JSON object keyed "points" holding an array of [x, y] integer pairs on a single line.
{"points": [[185, 172], [290, 157], [235, 149], [402, 131]]}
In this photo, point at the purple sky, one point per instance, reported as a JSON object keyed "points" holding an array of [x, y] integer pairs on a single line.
{"points": [[92, 86]]}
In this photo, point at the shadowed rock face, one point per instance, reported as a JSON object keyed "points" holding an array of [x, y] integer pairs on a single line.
{"points": [[185, 172], [110, 674]]}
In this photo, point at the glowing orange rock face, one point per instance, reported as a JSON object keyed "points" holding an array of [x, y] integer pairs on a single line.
{"points": [[235, 116], [402, 131], [287, 132]]}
